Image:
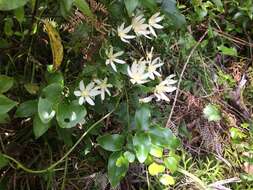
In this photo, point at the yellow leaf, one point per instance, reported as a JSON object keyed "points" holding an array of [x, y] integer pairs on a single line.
{"points": [[167, 180], [155, 169], [55, 42], [156, 151]]}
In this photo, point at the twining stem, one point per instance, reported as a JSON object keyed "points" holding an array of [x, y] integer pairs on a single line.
{"points": [[181, 76], [51, 167]]}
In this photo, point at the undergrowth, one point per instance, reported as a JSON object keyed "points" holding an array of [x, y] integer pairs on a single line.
{"points": [[126, 94]]}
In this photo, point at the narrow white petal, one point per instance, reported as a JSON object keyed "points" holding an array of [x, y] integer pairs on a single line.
{"points": [[81, 85], [90, 101], [119, 61], [77, 93], [113, 66], [81, 100]]}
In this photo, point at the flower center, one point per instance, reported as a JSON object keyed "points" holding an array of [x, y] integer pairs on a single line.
{"points": [[85, 93]]}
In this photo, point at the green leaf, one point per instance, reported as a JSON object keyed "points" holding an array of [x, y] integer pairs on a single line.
{"points": [[142, 118], [65, 7], [69, 115], [6, 104], [167, 180], [32, 88], [3, 161], [129, 156], [45, 110], [131, 6], [115, 174], [212, 113], [5, 83], [27, 108], [4, 118], [20, 14], [170, 7], [84, 7], [121, 161], [142, 145], [8, 25], [55, 77], [39, 128], [150, 4], [6, 5], [227, 51], [171, 163], [163, 137], [155, 169], [156, 151], [111, 142], [52, 92]]}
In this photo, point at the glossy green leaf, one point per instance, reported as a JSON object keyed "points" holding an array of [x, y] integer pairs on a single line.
{"points": [[212, 113], [121, 161], [5, 83], [84, 7], [52, 92], [32, 88], [45, 110], [155, 169], [167, 180], [39, 128], [111, 142], [115, 174], [6, 104], [6, 5], [170, 7], [171, 163], [65, 7], [163, 137], [131, 6], [69, 115], [55, 77], [150, 4], [142, 145], [142, 118], [3, 161], [27, 108], [129, 156], [156, 151]]}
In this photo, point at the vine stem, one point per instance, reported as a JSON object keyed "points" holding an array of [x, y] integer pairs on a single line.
{"points": [[181, 76], [51, 167]]}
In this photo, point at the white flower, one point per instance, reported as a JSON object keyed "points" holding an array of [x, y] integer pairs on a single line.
{"points": [[152, 67], [86, 94], [161, 90], [122, 33], [113, 58], [165, 87], [140, 27], [103, 87], [153, 22], [137, 72]]}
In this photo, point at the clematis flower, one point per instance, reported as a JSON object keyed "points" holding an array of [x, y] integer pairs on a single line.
{"points": [[152, 67], [113, 58], [153, 23], [140, 27], [164, 87], [86, 94], [103, 87], [137, 72], [161, 90], [123, 33]]}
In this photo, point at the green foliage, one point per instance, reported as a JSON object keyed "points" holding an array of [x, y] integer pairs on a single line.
{"points": [[11, 4], [5, 83], [111, 142]]}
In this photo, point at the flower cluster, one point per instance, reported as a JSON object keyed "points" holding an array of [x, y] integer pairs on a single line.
{"points": [[140, 27], [89, 92]]}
